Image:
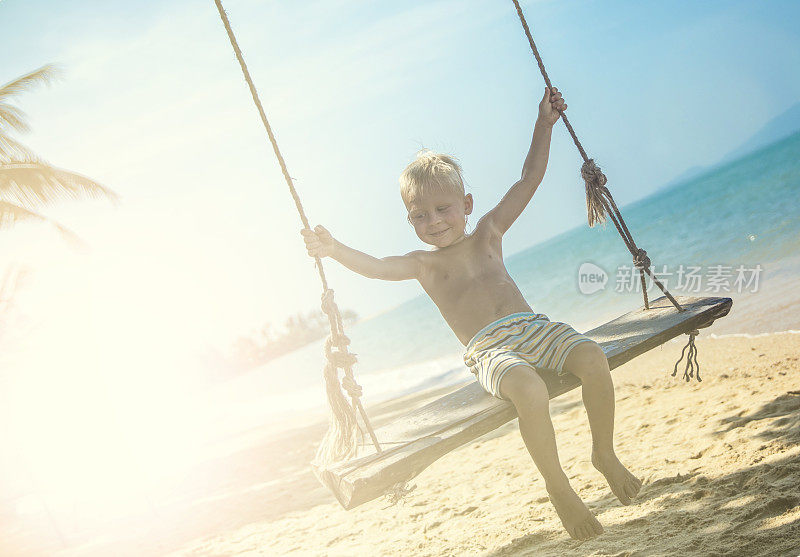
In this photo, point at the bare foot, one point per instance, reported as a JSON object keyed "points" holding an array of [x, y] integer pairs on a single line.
{"points": [[577, 519], [623, 484]]}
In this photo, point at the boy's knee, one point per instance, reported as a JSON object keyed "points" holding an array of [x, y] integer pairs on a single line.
{"points": [[585, 359], [522, 384]]}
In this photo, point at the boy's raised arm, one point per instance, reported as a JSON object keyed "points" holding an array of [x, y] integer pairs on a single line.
{"points": [[516, 199], [320, 243]]}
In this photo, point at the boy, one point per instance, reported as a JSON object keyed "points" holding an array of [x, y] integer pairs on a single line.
{"points": [[505, 340]]}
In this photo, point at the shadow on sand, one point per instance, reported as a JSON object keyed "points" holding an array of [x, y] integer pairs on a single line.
{"points": [[735, 506]]}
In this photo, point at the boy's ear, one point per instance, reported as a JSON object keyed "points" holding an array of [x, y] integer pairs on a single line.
{"points": [[468, 202]]}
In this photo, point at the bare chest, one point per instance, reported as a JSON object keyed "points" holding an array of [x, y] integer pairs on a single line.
{"points": [[480, 267], [470, 285]]}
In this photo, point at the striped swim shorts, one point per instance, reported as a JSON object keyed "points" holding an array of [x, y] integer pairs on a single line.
{"points": [[520, 338]]}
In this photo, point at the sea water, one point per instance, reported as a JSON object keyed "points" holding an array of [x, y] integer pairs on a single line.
{"points": [[737, 222]]}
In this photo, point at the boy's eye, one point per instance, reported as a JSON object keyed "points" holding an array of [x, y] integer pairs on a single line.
{"points": [[443, 208], [417, 216]]}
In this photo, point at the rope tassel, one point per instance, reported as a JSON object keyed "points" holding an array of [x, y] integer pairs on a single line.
{"points": [[343, 436], [344, 433], [692, 368], [595, 191]]}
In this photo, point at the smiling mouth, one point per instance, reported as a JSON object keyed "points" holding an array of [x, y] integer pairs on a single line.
{"points": [[437, 234]]}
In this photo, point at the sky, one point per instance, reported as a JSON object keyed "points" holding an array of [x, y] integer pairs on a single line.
{"points": [[151, 103]]}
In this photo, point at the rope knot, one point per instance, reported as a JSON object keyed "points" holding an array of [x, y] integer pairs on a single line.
{"points": [[340, 358], [640, 259], [595, 190], [342, 341], [592, 174], [329, 306], [353, 389]]}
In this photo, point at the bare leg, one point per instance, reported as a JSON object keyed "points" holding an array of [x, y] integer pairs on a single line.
{"points": [[590, 365], [528, 393]]}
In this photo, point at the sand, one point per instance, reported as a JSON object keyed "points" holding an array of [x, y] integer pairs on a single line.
{"points": [[720, 462]]}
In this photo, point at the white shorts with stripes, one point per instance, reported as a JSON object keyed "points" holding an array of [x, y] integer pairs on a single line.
{"points": [[519, 339]]}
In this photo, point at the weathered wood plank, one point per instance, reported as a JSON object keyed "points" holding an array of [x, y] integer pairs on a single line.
{"points": [[417, 439]]}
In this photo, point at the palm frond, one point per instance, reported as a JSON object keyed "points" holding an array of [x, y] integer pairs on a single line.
{"points": [[11, 150], [45, 74], [13, 117], [11, 214], [34, 184]]}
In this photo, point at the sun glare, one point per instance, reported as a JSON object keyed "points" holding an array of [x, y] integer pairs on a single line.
{"points": [[104, 389]]}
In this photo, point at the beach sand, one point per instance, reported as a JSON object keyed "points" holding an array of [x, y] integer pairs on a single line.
{"points": [[720, 461]]}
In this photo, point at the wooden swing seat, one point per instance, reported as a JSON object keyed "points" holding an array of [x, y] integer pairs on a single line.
{"points": [[417, 439]]}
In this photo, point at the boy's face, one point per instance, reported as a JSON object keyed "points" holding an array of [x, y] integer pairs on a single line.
{"points": [[439, 218]]}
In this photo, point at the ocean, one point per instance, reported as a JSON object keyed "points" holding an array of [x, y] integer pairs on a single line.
{"points": [[733, 231]]}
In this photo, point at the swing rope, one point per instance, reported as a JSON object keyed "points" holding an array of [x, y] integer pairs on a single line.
{"points": [[343, 435], [599, 202]]}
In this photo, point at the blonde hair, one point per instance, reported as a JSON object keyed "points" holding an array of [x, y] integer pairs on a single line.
{"points": [[430, 172]]}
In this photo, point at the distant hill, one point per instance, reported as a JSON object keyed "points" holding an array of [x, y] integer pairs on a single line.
{"points": [[783, 125], [776, 129], [686, 175]]}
